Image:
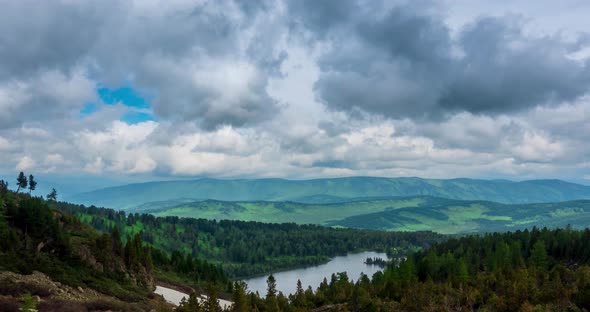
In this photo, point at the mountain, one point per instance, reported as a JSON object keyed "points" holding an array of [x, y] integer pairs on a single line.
{"points": [[331, 190], [423, 213]]}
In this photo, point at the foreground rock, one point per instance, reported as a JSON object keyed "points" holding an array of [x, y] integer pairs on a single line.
{"points": [[50, 295]]}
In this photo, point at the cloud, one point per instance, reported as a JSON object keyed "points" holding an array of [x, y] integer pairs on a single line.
{"points": [[193, 60], [503, 70], [47, 95], [214, 92], [296, 89], [25, 163], [405, 62], [39, 37], [197, 61]]}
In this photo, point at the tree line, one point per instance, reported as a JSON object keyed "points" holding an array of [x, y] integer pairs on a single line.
{"points": [[530, 270], [30, 183], [250, 248]]}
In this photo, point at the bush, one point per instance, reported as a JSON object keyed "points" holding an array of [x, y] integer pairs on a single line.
{"points": [[29, 303]]}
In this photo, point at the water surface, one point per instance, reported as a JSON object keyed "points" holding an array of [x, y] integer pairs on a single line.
{"points": [[352, 264]]}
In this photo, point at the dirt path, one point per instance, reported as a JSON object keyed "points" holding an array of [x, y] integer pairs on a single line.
{"points": [[174, 296]]}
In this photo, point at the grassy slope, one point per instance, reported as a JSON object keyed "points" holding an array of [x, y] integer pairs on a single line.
{"points": [[280, 212], [402, 214], [473, 216], [158, 194]]}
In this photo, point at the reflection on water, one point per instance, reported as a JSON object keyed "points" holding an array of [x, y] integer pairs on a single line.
{"points": [[352, 264]]}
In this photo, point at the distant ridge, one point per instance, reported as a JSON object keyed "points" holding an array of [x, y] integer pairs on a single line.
{"points": [[332, 190]]}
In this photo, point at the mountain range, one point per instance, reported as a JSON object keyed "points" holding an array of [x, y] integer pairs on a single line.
{"points": [[332, 190]]}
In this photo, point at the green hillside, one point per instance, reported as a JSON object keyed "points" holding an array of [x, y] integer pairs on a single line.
{"points": [[279, 212], [395, 214], [331, 191], [70, 266], [454, 216]]}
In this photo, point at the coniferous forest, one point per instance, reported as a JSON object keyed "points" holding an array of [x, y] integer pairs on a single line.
{"points": [[250, 248], [536, 270], [34, 236]]}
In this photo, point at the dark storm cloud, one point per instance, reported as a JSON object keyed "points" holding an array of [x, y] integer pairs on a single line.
{"points": [[43, 35], [504, 71], [403, 62]]}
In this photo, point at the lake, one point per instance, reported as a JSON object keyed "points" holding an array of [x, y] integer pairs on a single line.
{"points": [[352, 264]]}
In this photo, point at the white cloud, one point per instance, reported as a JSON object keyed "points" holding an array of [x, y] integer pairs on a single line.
{"points": [[536, 147], [25, 163]]}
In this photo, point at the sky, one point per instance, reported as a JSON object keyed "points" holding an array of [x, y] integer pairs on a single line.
{"points": [[121, 91]]}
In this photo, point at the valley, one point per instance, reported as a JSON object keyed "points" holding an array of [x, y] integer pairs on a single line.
{"points": [[423, 213], [290, 255]]}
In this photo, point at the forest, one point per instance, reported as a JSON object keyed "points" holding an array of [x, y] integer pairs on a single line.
{"points": [[36, 237], [122, 255], [536, 270], [250, 248]]}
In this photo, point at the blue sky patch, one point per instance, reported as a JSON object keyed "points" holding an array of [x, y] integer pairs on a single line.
{"points": [[125, 95], [88, 109]]}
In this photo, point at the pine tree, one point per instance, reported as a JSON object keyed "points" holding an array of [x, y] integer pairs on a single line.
{"points": [[3, 187], [299, 297], [117, 244], [539, 256], [32, 183], [53, 195], [212, 303], [149, 262], [462, 272], [271, 294], [130, 253], [21, 181], [190, 305], [239, 297]]}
